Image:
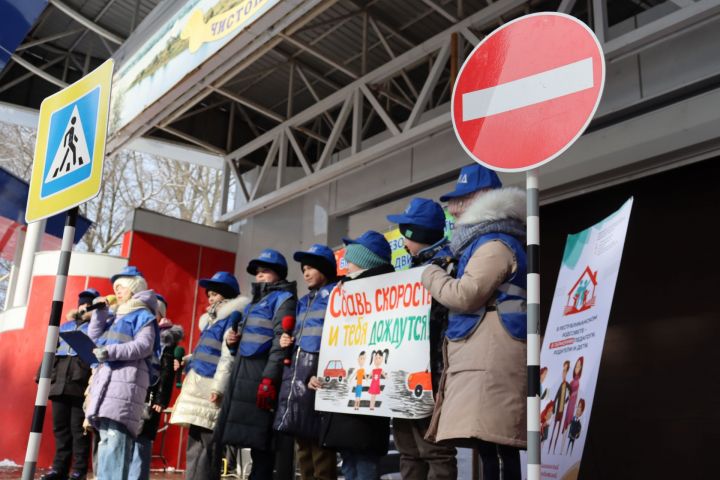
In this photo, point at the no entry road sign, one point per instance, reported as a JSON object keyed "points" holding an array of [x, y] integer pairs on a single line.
{"points": [[528, 91]]}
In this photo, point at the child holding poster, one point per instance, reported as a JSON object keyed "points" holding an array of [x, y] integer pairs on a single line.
{"points": [[361, 439], [422, 226], [296, 413]]}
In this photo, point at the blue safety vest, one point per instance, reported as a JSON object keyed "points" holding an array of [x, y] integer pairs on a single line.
{"points": [[206, 356], [125, 329], [258, 332], [64, 349], [310, 318], [510, 297]]}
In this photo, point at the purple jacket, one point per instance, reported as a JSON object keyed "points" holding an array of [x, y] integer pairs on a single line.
{"points": [[118, 392]]}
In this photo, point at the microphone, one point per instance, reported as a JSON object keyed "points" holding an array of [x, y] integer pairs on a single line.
{"points": [[179, 353], [109, 300], [288, 326], [236, 322]]}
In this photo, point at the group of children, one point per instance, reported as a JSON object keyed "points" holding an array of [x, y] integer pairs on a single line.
{"points": [[251, 379]]}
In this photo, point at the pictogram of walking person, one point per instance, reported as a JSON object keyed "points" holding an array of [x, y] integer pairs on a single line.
{"points": [[69, 144]]}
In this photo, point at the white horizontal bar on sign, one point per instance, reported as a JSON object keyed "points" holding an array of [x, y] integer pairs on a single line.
{"points": [[523, 92]]}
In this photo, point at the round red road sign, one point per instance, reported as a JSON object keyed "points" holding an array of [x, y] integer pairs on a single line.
{"points": [[528, 91]]}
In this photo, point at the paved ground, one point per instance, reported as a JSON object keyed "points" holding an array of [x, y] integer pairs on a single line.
{"points": [[14, 473]]}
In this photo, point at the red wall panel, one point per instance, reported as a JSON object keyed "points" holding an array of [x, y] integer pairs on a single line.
{"points": [[173, 268]]}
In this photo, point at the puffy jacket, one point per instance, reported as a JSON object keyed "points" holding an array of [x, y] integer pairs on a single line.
{"points": [[483, 391], [241, 422], [193, 405], [359, 433], [120, 384], [70, 375], [296, 413]]}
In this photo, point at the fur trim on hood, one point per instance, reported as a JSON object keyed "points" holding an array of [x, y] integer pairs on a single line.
{"points": [[224, 311], [496, 205]]}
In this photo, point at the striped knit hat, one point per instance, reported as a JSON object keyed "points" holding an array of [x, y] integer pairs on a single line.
{"points": [[362, 256]]}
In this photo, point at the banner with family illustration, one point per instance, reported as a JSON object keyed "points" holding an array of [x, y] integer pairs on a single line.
{"points": [[573, 343], [375, 353]]}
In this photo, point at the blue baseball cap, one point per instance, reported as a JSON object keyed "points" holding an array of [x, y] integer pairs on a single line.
{"points": [[87, 296], [422, 212], [319, 257], [90, 292], [373, 241], [471, 179], [223, 283], [271, 259], [129, 271]]}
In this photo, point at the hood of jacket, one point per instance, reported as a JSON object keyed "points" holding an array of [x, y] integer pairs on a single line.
{"points": [[259, 290], [500, 204], [227, 307]]}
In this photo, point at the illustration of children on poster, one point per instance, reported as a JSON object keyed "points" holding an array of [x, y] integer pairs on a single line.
{"points": [[377, 374], [573, 342]]}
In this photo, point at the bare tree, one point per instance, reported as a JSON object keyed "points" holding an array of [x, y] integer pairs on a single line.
{"points": [[130, 180]]}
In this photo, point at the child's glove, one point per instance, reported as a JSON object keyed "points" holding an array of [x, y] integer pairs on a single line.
{"points": [[101, 354], [267, 394]]}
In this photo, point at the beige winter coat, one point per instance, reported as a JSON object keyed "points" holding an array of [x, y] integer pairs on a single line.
{"points": [[484, 387], [193, 405]]}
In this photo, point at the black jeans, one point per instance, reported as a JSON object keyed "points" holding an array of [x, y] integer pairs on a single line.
{"points": [[70, 440], [499, 462], [263, 463]]}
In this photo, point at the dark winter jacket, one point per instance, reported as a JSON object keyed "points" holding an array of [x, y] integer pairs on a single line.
{"points": [[360, 433], [438, 254], [296, 413], [69, 375], [160, 392], [241, 422]]}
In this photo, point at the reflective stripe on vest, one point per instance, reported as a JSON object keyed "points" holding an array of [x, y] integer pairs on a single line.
{"points": [[510, 297], [258, 332], [125, 328], [311, 317], [64, 349], [206, 356]]}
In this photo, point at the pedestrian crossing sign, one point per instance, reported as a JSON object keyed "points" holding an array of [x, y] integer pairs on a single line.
{"points": [[70, 145]]}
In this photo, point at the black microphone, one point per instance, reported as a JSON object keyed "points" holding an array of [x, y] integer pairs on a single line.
{"points": [[109, 300], [179, 353]]}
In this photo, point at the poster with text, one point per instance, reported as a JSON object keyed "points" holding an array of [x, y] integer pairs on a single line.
{"points": [[573, 342], [375, 351]]}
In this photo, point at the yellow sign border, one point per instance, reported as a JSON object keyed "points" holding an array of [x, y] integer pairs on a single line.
{"points": [[38, 207]]}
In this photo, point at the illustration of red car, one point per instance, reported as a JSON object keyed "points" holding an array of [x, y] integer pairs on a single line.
{"points": [[334, 369], [418, 382]]}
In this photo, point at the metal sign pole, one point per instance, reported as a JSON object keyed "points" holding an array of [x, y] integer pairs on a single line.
{"points": [[533, 325], [33, 447]]}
